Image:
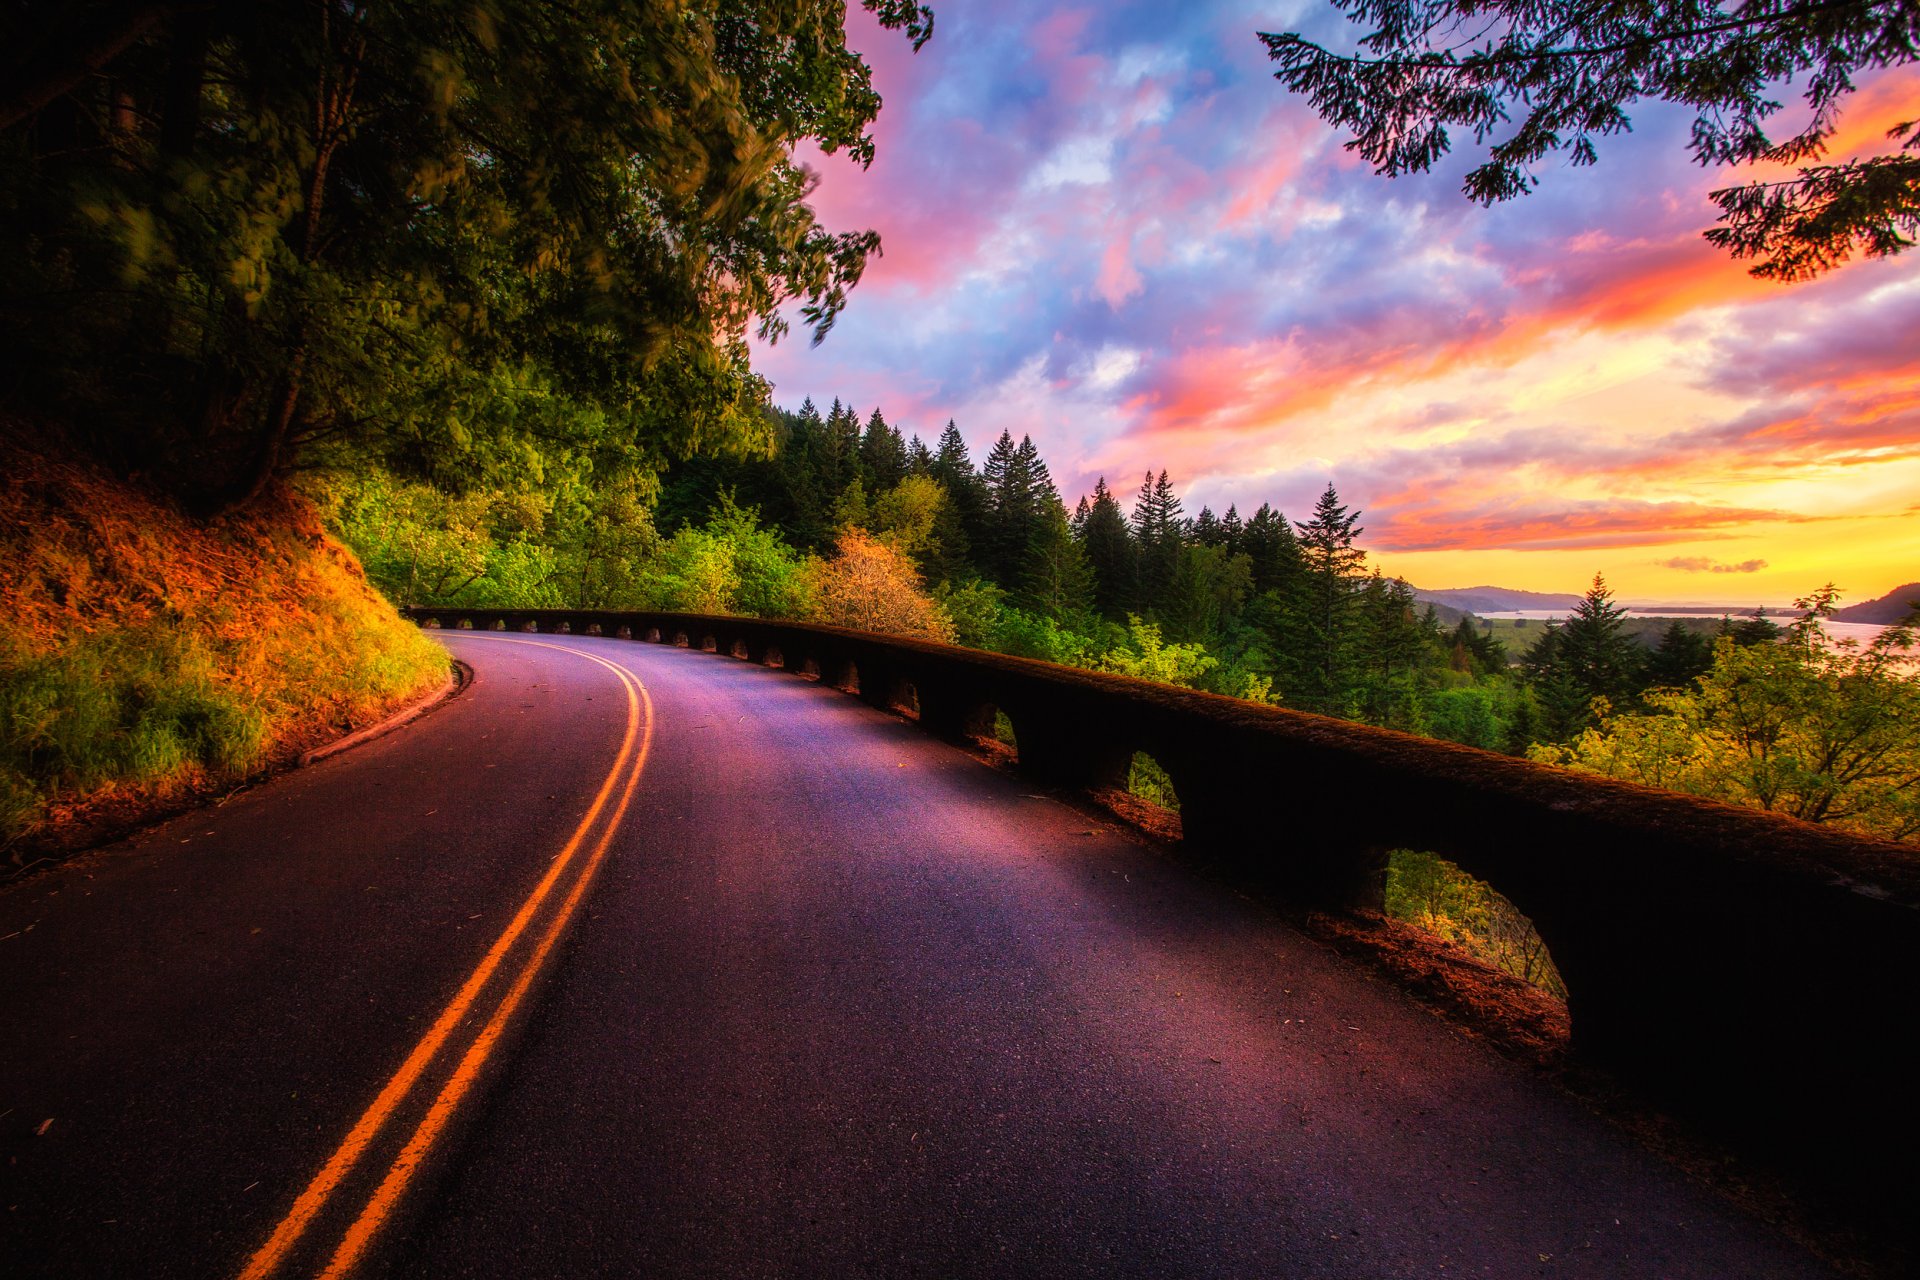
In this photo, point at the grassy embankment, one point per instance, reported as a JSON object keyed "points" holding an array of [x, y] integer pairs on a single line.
{"points": [[148, 659]]}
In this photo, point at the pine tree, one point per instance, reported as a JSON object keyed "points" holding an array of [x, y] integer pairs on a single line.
{"points": [[1682, 656], [919, 458], [1110, 553], [1231, 530], [1206, 529], [883, 455], [1589, 656], [809, 492], [1396, 648], [1157, 529], [1019, 494], [1329, 582], [966, 494], [1057, 582], [1270, 543]]}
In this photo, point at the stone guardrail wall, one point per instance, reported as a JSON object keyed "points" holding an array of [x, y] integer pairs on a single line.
{"points": [[1752, 971]]}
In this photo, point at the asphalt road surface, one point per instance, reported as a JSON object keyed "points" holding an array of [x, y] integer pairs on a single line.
{"points": [[633, 961]]}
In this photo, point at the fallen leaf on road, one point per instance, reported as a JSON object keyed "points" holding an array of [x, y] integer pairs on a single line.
{"points": [[45, 1125]]}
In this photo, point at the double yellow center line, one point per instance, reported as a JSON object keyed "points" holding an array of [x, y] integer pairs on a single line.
{"points": [[466, 1007]]}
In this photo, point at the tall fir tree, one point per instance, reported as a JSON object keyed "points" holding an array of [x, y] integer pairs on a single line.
{"points": [[966, 493], [1588, 656], [1057, 582], [883, 455], [1110, 553], [1328, 596], [1019, 493], [1157, 530]]}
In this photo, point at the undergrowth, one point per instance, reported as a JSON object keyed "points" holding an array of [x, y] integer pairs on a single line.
{"points": [[144, 654]]}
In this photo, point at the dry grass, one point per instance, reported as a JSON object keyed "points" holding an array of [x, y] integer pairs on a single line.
{"points": [[146, 656]]}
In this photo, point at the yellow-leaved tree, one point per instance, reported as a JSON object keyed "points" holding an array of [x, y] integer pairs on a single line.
{"points": [[871, 586]]}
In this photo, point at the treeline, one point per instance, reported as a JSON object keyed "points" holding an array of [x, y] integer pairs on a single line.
{"points": [[1261, 607]]}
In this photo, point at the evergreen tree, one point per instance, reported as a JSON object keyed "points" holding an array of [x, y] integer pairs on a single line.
{"points": [[1231, 530], [1210, 588], [919, 458], [1206, 529], [1397, 649], [1329, 580], [1057, 582], [1020, 493], [840, 448], [1589, 656], [1270, 544], [1157, 541], [966, 494], [1682, 655], [809, 494], [1110, 553], [883, 455]]}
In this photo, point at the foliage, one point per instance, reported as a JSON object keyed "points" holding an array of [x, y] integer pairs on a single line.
{"points": [[462, 239], [1431, 892], [1588, 658], [1147, 780], [1557, 76], [1822, 729], [143, 654], [1327, 597], [1146, 656], [869, 586]]}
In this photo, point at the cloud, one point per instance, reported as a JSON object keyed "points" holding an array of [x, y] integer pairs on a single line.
{"points": [[1106, 226], [1703, 564]]}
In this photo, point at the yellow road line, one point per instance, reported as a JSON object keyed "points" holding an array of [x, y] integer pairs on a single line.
{"points": [[355, 1145], [381, 1206]]}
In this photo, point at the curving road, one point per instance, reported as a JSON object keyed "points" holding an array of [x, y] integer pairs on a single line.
{"points": [[636, 961]]}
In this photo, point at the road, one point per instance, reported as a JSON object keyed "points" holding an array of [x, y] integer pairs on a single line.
{"points": [[637, 961]]}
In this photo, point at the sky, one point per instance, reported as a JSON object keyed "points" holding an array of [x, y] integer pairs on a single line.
{"points": [[1108, 227]]}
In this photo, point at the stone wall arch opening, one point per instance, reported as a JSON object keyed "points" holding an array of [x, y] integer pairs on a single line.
{"points": [[653, 635], [1438, 896], [680, 640], [776, 658], [1148, 780], [709, 645], [623, 632]]}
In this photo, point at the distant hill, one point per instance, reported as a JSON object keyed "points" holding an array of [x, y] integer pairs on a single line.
{"points": [[1497, 599], [1891, 607]]}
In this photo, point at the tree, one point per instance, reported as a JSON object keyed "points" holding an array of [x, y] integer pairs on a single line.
{"points": [[1020, 494], [1825, 730], [869, 586], [1058, 583], [883, 454], [1682, 656], [465, 238], [1557, 75], [1157, 530], [1327, 604], [1110, 553], [1589, 656]]}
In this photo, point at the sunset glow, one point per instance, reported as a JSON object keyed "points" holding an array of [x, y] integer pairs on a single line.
{"points": [[1110, 228]]}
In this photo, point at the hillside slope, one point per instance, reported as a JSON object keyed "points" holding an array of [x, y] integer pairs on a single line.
{"points": [[1889, 608], [148, 658]]}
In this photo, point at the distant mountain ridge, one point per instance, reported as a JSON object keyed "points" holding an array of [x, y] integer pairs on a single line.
{"points": [[1891, 607], [1496, 599]]}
